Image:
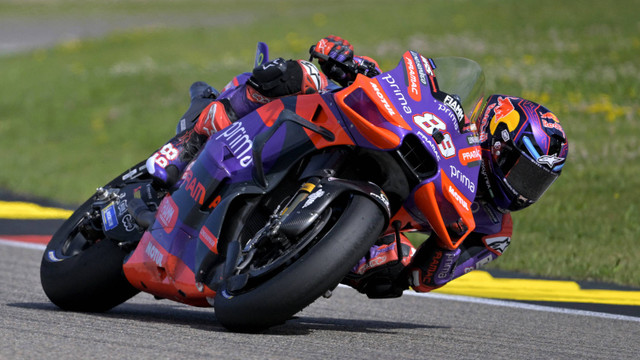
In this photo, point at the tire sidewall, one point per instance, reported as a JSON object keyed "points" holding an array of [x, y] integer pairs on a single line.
{"points": [[92, 280]]}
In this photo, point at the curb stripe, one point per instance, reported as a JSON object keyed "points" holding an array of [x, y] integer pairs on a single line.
{"points": [[18, 210], [481, 284], [30, 239]]}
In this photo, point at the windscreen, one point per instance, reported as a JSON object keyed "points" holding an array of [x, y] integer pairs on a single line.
{"points": [[464, 78]]}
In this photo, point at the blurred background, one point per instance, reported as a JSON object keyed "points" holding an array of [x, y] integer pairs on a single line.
{"points": [[91, 87]]}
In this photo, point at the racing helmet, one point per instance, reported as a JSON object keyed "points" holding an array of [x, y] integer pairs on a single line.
{"points": [[524, 148]]}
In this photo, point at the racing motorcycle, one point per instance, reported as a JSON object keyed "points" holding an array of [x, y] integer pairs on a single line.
{"points": [[276, 209]]}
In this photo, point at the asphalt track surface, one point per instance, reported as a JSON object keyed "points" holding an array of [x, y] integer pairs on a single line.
{"points": [[345, 326]]}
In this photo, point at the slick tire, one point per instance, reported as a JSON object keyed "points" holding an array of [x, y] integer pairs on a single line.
{"points": [[320, 269], [90, 280]]}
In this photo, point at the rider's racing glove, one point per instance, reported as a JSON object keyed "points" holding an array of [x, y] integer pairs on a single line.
{"points": [[335, 47], [339, 49]]}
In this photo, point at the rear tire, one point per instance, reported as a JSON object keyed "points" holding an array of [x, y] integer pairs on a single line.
{"points": [[88, 278], [320, 269]]}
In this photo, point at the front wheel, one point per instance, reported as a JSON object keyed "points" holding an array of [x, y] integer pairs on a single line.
{"points": [[342, 242], [82, 271]]}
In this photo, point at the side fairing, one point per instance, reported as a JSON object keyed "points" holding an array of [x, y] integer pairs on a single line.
{"points": [[250, 157]]}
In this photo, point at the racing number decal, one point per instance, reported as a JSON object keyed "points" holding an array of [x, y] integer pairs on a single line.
{"points": [[429, 123], [165, 154]]}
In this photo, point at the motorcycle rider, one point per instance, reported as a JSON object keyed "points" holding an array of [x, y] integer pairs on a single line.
{"points": [[523, 151], [211, 111]]}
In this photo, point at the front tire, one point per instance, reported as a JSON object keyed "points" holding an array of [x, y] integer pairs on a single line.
{"points": [[80, 271], [320, 269]]}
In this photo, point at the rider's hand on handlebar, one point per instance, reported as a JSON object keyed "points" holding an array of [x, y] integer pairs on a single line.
{"points": [[335, 47], [332, 50]]}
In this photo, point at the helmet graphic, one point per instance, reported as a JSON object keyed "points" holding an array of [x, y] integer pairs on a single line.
{"points": [[524, 149]]}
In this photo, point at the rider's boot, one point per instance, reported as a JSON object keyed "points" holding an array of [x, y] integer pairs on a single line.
{"points": [[381, 273]]}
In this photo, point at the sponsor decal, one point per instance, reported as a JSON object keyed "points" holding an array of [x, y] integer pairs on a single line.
{"points": [[424, 138], [154, 254], [550, 160], [109, 218], [383, 99], [51, 254], [129, 223], [312, 197], [398, 93], [379, 259], [472, 155], [491, 213], [239, 143], [489, 258], [427, 65], [454, 105], [505, 135], [130, 175], [194, 187], [506, 113], [321, 47], [473, 140], [485, 120], [208, 239], [453, 195], [447, 265], [422, 73], [450, 114], [552, 122], [215, 202], [383, 198], [313, 73], [122, 207], [257, 97], [413, 87], [550, 116], [462, 178], [433, 267], [458, 197], [498, 243], [168, 213]]}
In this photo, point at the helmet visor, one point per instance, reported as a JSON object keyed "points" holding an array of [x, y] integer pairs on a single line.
{"points": [[523, 176], [528, 178]]}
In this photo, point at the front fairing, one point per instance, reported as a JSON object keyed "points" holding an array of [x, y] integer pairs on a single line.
{"points": [[408, 101]]}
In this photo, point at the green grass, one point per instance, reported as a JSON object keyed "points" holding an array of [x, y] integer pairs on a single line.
{"points": [[74, 115]]}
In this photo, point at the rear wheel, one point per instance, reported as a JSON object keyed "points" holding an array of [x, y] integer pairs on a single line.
{"points": [[81, 271], [283, 283]]}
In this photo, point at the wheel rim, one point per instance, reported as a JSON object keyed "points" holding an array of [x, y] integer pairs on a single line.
{"points": [[271, 262]]}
